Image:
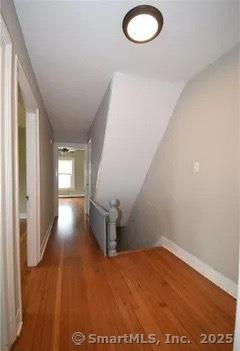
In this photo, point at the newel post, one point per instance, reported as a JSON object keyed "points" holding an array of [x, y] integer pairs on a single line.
{"points": [[112, 228]]}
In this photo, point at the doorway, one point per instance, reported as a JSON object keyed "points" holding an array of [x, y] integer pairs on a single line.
{"points": [[22, 181], [27, 164], [70, 172], [26, 168], [13, 80]]}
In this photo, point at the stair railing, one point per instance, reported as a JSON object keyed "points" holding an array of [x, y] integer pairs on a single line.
{"points": [[104, 226]]}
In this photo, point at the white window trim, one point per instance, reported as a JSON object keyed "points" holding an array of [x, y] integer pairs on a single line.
{"points": [[73, 174]]}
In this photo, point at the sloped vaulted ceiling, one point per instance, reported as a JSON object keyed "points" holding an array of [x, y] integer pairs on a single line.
{"points": [[76, 46]]}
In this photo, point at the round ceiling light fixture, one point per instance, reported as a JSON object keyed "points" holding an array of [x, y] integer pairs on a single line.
{"points": [[142, 24]]}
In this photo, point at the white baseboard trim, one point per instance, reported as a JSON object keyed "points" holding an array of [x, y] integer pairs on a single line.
{"points": [[22, 216], [19, 322], [210, 273], [74, 195], [46, 237]]}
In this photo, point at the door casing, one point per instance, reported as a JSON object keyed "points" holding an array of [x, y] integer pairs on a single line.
{"points": [[55, 161]]}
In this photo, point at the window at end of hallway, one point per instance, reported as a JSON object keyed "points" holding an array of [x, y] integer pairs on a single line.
{"points": [[66, 174]]}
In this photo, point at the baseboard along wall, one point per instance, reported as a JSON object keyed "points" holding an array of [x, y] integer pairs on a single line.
{"points": [[46, 237], [74, 195], [207, 271]]}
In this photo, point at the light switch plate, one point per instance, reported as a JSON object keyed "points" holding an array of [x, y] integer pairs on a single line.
{"points": [[196, 167]]}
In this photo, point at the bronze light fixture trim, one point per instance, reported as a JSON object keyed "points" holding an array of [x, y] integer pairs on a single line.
{"points": [[143, 18]]}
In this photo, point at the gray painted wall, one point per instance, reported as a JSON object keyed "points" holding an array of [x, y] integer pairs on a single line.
{"points": [[198, 212]]}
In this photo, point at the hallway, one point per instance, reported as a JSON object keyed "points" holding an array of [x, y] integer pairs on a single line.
{"points": [[75, 289]]}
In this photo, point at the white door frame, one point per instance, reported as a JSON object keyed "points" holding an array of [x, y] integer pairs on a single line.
{"points": [[33, 180], [236, 346], [11, 299], [55, 161], [32, 165], [8, 306], [237, 322]]}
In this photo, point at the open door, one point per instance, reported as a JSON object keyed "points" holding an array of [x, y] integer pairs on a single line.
{"points": [[33, 191]]}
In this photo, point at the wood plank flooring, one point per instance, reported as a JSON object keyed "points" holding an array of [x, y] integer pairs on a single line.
{"points": [[23, 253], [23, 226], [76, 289]]}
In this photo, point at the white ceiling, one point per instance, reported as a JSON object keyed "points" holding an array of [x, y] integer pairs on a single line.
{"points": [[75, 46]]}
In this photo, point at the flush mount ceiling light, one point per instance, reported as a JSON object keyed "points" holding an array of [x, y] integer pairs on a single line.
{"points": [[142, 24], [65, 150]]}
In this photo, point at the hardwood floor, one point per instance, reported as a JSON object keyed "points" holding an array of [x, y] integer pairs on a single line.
{"points": [[23, 226], [75, 289], [23, 253]]}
